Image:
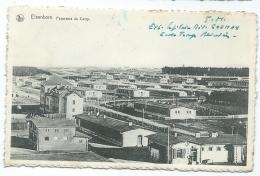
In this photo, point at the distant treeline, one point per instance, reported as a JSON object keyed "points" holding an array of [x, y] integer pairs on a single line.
{"points": [[237, 98], [209, 71], [28, 71]]}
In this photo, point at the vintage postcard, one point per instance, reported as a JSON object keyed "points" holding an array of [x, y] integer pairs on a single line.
{"points": [[106, 88]]}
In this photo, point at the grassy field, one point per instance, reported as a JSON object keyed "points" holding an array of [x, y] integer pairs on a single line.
{"points": [[21, 149], [82, 156], [125, 153], [210, 109]]}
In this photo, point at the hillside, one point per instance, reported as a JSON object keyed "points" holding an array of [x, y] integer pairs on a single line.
{"points": [[28, 71], [209, 71]]}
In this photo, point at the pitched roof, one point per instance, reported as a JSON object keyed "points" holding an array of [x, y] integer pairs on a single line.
{"points": [[151, 103], [73, 91], [52, 123], [82, 135], [164, 90], [196, 127], [162, 139], [222, 139], [56, 80], [108, 122], [63, 91]]}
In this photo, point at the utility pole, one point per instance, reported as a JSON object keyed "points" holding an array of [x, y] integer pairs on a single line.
{"points": [[232, 127], [143, 117], [168, 146], [87, 145], [98, 107]]}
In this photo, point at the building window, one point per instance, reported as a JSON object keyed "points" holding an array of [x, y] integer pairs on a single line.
{"points": [[202, 148], [180, 153], [73, 109], [66, 130], [47, 130], [210, 148], [218, 148], [73, 102], [80, 141], [139, 140], [56, 130], [46, 138]]}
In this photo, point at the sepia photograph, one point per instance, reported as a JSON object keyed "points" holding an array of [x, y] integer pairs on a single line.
{"points": [[146, 89]]}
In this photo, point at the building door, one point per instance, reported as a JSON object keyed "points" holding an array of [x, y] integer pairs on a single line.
{"points": [[155, 155], [193, 154], [140, 140]]}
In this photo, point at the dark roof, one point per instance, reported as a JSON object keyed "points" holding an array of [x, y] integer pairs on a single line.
{"points": [[157, 104], [222, 139], [56, 80], [57, 91], [164, 90], [52, 123], [82, 135], [195, 127], [162, 139], [73, 91], [63, 91], [115, 124]]}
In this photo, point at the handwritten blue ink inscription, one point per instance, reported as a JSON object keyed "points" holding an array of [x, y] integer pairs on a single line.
{"points": [[210, 27]]}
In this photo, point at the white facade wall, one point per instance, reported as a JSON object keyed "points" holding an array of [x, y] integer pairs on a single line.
{"points": [[190, 80], [74, 105], [133, 86], [238, 153], [141, 93], [99, 87], [130, 138], [182, 113], [110, 77], [132, 77], [36, 84], [211, 152], [74, 83], [93, 94], [183, 94], [215, 155], [164, 81], [187, 147]]}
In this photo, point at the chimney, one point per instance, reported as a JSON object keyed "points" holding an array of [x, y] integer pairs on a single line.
{"points": [[130, 123]]}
